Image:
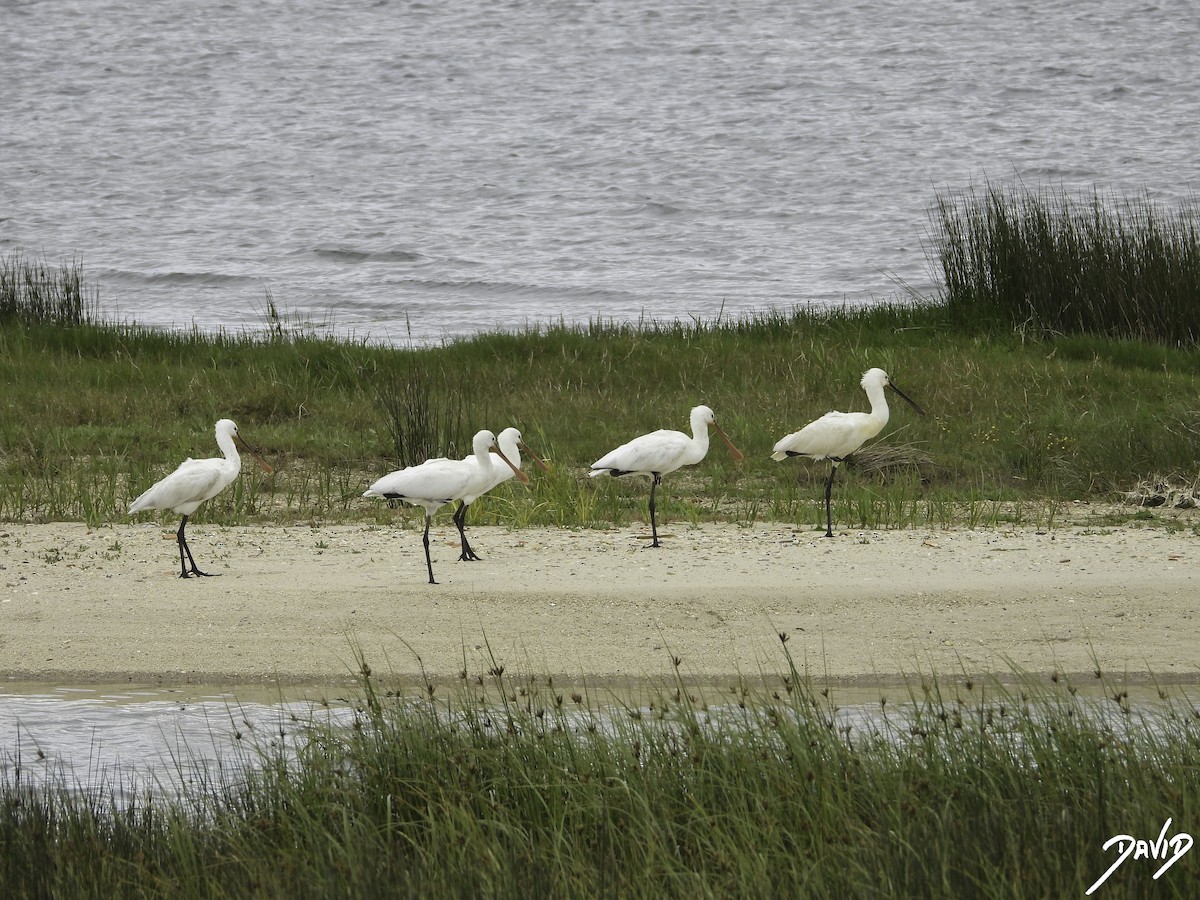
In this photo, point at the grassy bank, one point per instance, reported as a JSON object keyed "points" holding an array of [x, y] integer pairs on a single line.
{"points": [[508, 786], [94, 412]]}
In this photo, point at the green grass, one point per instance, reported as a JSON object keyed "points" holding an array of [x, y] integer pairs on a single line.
{"points": [[37, 292], [512, 786], [93, 413]]}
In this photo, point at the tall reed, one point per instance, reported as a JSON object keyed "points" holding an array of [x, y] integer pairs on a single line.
{"points": [[38, 292], [425, 408], [1122, 268]]}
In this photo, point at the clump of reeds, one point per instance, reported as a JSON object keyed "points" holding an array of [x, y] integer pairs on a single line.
{"points": [[1122, 268], [38, 292], [425, 410], [884, 458]]}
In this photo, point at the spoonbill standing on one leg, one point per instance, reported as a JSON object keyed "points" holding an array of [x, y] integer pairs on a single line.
{"points": [[836, 435], [660, 452], [195, 481], [511, 445], [436, 482]]}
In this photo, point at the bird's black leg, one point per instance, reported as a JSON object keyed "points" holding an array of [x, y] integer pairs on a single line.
{"points": [[183, 572], [184, 548], [828, 492], [428, 562], [653, 525], [460, 519]]}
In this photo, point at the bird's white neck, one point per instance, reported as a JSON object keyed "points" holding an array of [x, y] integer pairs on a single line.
{"points": [[483, 453], [228, 447], [700, 432], [510, 448], [879, 404]]}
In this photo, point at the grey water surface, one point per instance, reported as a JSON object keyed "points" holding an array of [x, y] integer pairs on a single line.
{"points": [[411, 171], [130, 742]]}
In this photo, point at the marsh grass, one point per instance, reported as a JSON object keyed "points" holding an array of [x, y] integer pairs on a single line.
{"points": [[1055, 264], [508, 784]]}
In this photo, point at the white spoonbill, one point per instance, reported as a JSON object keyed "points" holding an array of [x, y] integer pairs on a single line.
{"points": [[511, 445], [836, 435], [436, 482], [195, 481], [663, 451]]}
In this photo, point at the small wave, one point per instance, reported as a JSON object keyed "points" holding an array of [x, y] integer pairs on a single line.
{"points": [[1059, 173], [124, 275], [342, 254], [491, 289]]}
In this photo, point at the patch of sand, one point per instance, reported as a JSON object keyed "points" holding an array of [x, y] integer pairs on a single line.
{"points": [[106, 605]]}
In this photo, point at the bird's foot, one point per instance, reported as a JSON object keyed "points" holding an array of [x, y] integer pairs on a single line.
{"points": [[199, 573], [468, 557]]}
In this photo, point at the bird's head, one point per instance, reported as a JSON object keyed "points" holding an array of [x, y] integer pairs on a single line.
{"points": [[701, 416], [881, 378], [875, 376]]}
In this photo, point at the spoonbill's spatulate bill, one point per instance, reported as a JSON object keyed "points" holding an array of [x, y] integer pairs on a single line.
{"points": [[436, 482], [836, 435], [511, 445], [195, 481], [661, 452]]}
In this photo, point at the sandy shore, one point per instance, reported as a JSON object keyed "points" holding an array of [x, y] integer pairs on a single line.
{"points": [[80, 605]]}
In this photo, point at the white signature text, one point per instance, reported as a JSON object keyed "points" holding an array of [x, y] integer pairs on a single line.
{"points": [[1169, 849]]}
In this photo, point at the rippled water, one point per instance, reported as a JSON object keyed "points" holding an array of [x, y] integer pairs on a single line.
{"points": [[128, 741], [412, 170]]}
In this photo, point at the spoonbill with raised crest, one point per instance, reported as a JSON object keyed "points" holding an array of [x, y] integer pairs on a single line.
{"points": [[661, 452], [836, 435], [195, 481], [436, 482]]}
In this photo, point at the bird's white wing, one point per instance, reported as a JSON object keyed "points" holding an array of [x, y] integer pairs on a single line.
{"points": [[435, 479], [195, 481], [835, 434], [659, 451]]}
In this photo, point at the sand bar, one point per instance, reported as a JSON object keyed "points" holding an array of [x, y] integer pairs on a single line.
{"points": [[292, 604]]}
